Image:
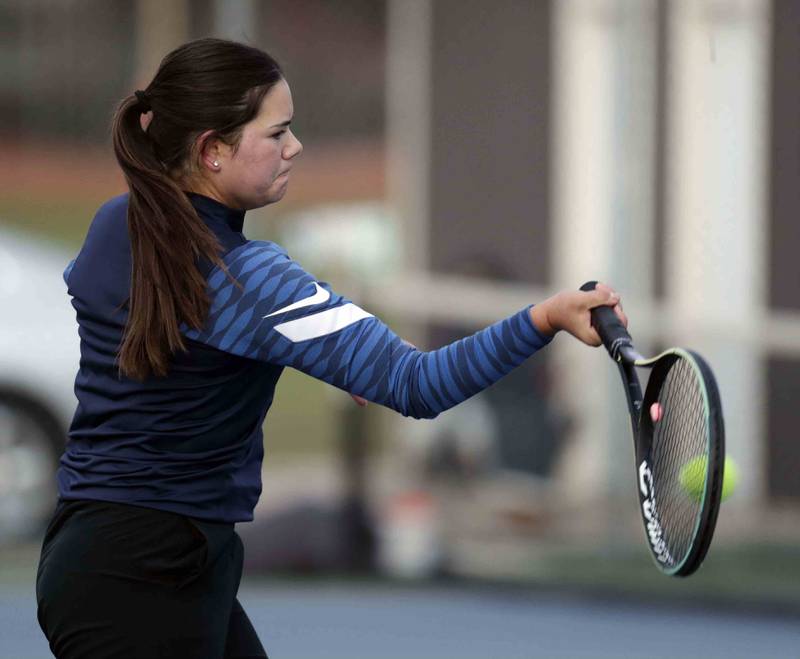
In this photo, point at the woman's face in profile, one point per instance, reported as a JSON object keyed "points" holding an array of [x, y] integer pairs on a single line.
{"points": [[256, 173]]}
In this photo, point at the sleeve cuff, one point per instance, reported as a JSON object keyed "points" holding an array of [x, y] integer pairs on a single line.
{"points": [[535, 334]]}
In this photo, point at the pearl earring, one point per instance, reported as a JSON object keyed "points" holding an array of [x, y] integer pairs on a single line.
{"points": [[216, 164]]}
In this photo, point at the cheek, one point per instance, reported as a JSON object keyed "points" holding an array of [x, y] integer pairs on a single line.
{"points": [[257, 163], [258, 151], [265, 161]]}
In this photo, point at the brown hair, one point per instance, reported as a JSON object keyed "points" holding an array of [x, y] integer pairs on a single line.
{"points": [[208, 84]]}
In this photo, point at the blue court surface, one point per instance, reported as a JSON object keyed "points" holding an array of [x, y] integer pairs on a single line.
{"points": [[307, 620]]}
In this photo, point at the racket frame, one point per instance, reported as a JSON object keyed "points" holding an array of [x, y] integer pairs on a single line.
{"points": [[715, 449], [620, 347]]}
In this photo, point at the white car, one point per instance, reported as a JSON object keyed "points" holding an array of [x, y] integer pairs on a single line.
{"points": [[39, 357]]}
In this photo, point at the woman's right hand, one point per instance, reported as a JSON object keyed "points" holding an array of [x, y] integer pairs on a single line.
{"points": [[570, 311]]}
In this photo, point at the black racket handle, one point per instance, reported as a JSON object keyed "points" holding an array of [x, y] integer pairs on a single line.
{"points": [[610, 328]]}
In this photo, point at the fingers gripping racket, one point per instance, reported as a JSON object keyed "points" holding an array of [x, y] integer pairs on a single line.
{"points": [[676, 422]]}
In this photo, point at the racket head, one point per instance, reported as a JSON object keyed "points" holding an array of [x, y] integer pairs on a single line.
{"points": [[688, 428]]}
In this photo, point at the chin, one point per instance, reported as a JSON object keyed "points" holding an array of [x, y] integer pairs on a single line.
{"points": [[265, 200], [273, 199], [274, 196]]}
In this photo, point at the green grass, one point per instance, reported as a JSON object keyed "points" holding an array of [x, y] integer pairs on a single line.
{"points": [[60, 221], [302, 419], [742, 574]]}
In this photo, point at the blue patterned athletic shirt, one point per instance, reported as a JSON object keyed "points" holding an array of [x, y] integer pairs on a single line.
{"points": [[191, 442]]}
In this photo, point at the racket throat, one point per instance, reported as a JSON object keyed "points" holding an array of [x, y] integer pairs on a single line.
{"points": [[627, 353], [633, 393]]}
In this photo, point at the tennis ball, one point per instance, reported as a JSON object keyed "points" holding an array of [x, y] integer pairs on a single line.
{"points": [[693, 476]]}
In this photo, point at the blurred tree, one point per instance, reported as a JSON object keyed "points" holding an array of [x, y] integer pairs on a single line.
{"points": [[160, 27], [64, 65]]}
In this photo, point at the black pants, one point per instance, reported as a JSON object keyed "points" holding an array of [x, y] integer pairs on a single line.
{"points": [[128, 582]]}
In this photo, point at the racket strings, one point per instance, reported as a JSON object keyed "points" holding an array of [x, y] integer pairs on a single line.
{"points": [[678, 436]]}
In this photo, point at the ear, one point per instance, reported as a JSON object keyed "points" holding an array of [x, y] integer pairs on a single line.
{"points": [[210, 150], [144, 119]]}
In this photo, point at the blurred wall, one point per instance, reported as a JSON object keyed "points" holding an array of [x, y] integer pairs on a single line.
{"points": [[783, 369], [530, 143], [490, 112], [625, 140], [65, 63]]}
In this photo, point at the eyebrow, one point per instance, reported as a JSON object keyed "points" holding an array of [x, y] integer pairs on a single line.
{"points": [[282, 125]]}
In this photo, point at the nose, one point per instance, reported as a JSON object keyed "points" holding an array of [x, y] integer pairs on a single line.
{"points": [[293, 148]]}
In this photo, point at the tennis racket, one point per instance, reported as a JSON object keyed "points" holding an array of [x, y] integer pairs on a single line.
{"points": [[677, 421]]}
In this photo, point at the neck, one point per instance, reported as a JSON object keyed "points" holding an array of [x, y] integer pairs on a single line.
{"points": [[207, 189]]}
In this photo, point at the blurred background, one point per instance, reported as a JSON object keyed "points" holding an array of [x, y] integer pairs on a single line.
{"points": [[463, 159]]}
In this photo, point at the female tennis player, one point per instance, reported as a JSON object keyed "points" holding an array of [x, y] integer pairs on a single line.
{"points": [[185, 327]]}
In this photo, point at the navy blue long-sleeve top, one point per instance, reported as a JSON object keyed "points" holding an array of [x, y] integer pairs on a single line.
{"points": [[191, 442]]}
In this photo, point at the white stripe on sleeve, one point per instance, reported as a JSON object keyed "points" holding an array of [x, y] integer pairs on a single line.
{"points": [[322, 323]]}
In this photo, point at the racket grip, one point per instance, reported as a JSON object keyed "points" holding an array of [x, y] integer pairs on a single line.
{"points": [[610, 328]]}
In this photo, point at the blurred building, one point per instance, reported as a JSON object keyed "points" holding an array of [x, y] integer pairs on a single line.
{"points": [[66, 63], [651, 144], [531, 146]]}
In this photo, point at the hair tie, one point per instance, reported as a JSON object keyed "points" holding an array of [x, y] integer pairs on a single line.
{"points": [[144, 101]]}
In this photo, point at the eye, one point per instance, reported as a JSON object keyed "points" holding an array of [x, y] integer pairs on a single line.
{"points": [[277, 136]]}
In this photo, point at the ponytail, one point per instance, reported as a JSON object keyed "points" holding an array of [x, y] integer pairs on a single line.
{"points": [[167, 236]]}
